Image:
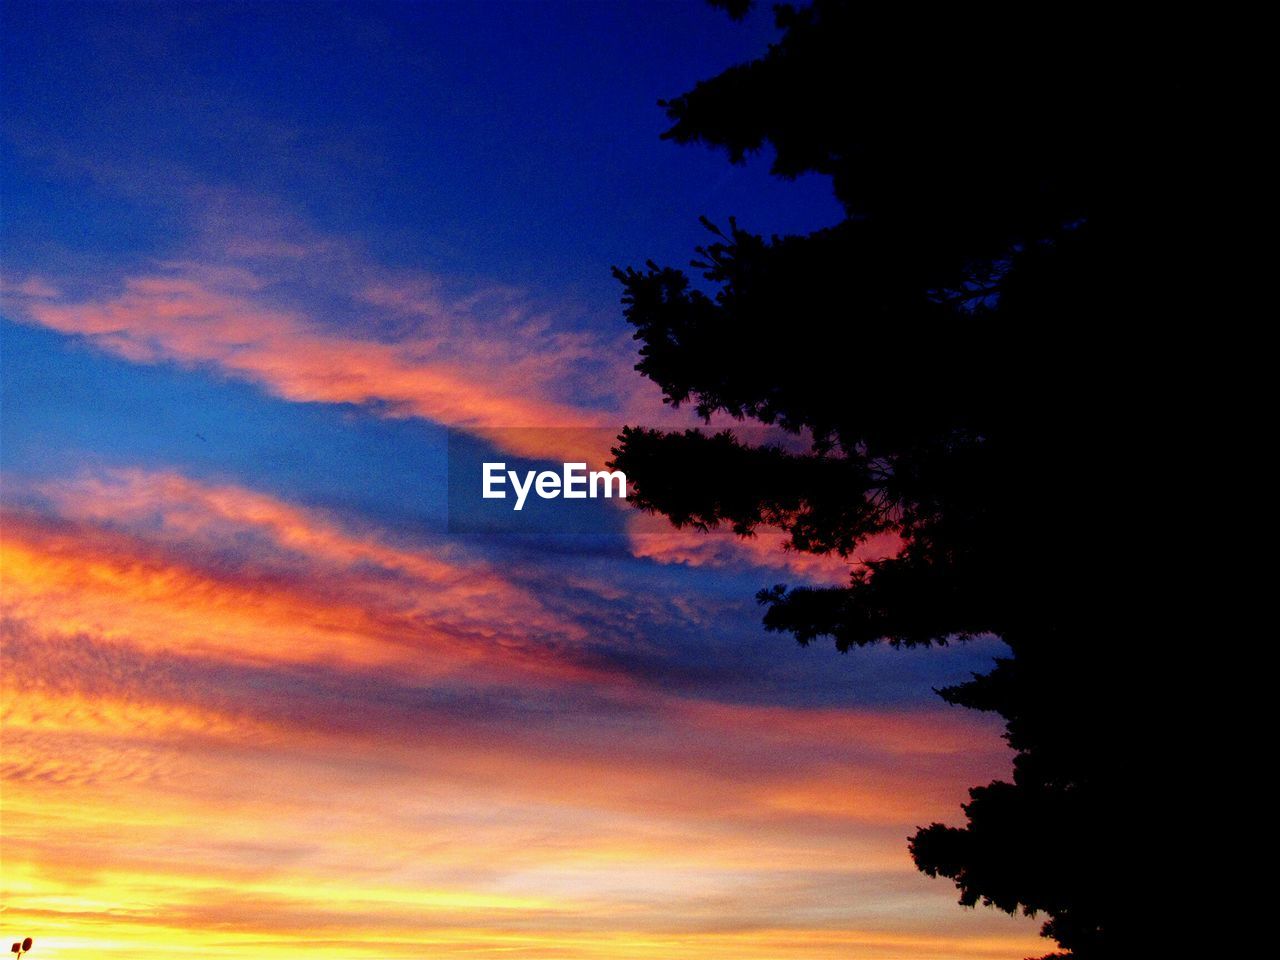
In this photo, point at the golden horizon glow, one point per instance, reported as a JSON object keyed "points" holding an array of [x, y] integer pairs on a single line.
{"points": [[345, 743]]}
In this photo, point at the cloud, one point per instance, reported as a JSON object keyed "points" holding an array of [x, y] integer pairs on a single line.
{"points": [[258, 295], [653, 538], [30, 288], [150, 557], [235, 723], [176, 317]]}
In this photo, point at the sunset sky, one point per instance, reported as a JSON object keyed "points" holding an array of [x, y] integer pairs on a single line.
{"points": [[258, 699]]}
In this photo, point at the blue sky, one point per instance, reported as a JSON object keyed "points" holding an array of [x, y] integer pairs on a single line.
{"points": [[258, 260], [513, 140]]}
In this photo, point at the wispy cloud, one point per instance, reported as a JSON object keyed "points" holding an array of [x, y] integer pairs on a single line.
{"points": [[379, 735], [196, 320], [153, 556], [653, 538], [258, 295]]}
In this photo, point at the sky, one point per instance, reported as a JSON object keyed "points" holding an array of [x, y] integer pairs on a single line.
{"points": [[263, 266]]}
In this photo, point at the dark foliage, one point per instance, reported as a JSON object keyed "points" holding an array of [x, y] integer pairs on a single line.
{"points": [[966, 351]]}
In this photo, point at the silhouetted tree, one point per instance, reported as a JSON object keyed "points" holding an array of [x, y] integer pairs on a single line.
{"points": [[965, 350]]}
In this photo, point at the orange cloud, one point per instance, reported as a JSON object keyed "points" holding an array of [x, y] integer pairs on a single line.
{"points": [[184, 320], [233, 724], [140, 558], [309, 319], [653, 538], [237, 726], [189, 841]]}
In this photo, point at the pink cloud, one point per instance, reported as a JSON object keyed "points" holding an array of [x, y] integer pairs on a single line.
{"points": [[653, 538], [180, 652], [261, 297], [142, 558], [32, 288]]}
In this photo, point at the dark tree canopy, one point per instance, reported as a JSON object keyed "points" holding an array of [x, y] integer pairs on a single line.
{"points": [[965, 351]]}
